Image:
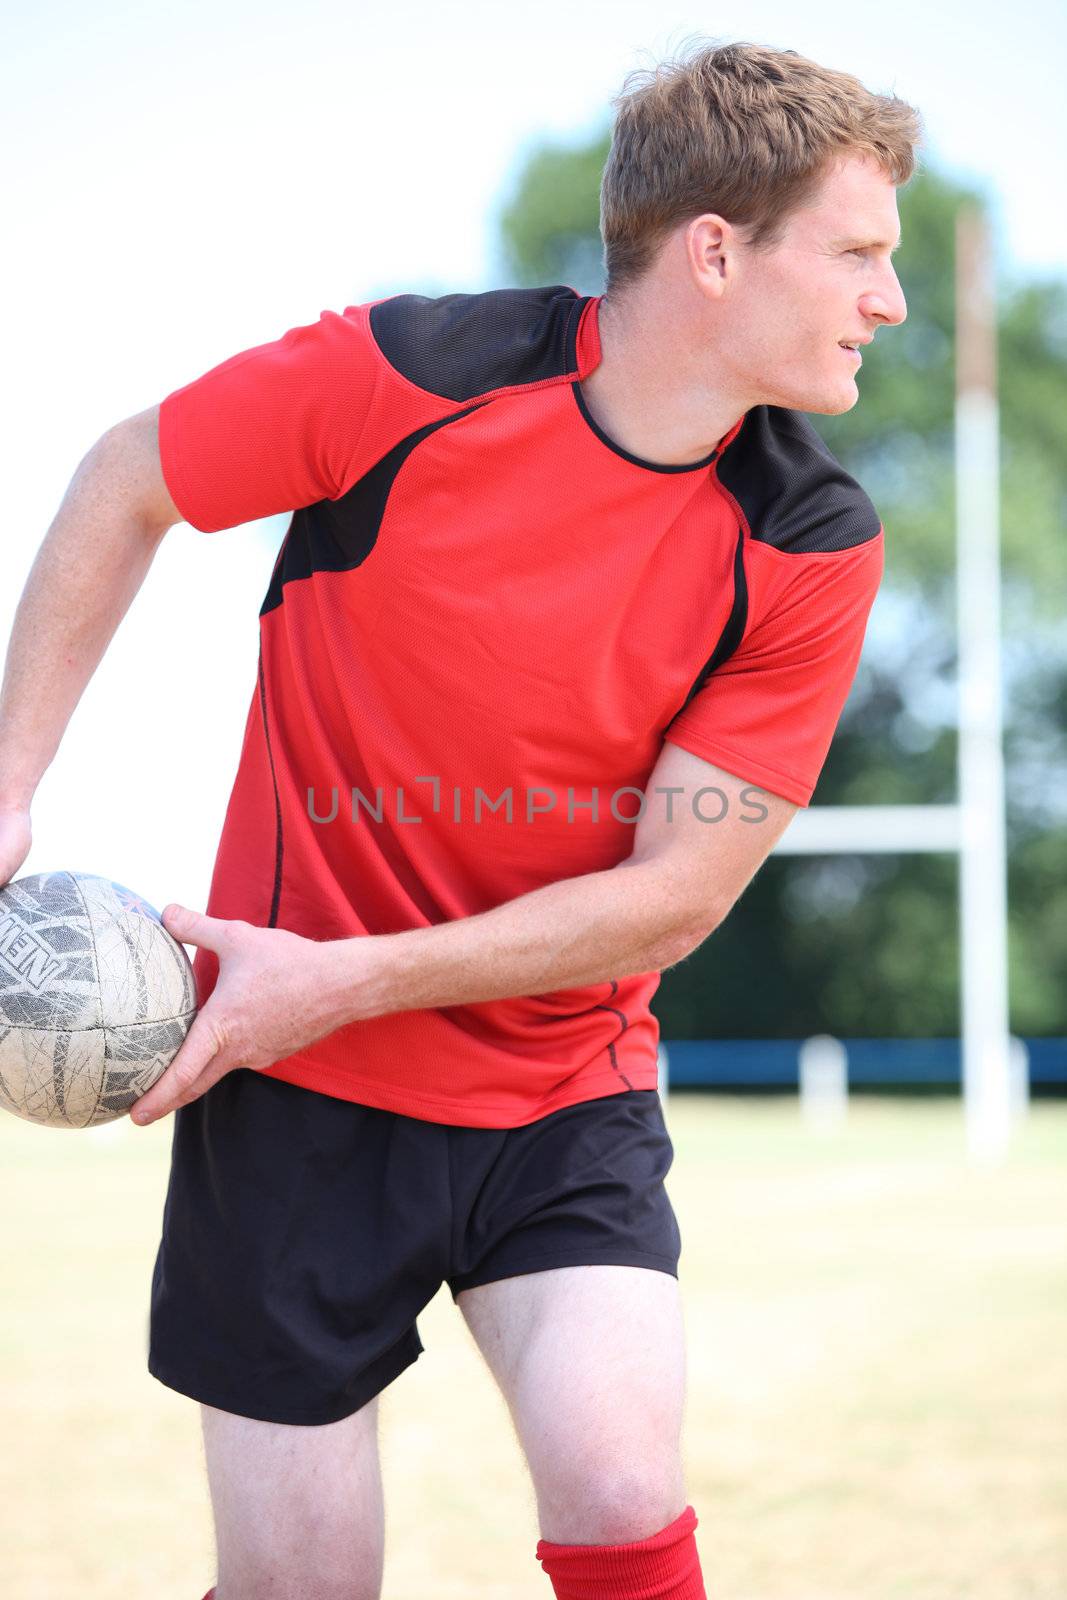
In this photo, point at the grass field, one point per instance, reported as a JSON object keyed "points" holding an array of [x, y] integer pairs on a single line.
{"points": [[877, 1402]]}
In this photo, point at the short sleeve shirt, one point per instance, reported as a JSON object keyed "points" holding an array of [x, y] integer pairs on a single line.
{"points": [[484, 621]]}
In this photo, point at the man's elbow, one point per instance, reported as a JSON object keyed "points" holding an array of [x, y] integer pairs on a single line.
{"points": [[686, 937], [128, 454]]}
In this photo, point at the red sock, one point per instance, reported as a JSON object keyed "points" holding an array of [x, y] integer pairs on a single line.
{"points": [[663, 1567]]}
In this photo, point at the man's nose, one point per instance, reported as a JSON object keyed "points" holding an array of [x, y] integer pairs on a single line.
{"points": [[887, 301]]}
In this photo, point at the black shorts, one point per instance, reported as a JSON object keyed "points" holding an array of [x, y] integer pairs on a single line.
{"points": [[303, 1234]]}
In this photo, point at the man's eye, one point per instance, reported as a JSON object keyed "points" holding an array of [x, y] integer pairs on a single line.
{"points": [[859, 252]]}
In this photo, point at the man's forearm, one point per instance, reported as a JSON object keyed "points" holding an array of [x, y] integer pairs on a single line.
{"points": [[578, 931], [90, 565]]}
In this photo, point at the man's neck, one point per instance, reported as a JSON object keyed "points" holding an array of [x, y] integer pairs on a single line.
{"points": [[649, 394]]}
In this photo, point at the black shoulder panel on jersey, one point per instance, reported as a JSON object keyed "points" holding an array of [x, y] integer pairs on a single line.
{"points": [[794, 493], [464, 345]]}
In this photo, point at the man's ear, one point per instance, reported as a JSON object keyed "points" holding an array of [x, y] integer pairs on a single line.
{"points": [[709, 243]]}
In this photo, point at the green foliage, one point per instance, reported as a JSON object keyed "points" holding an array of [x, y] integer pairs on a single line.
{"points": [[1033, 408], [785, 962], [1037, 935], [550, 229], [867, 946]]}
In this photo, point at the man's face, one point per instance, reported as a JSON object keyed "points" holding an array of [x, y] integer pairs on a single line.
{"points": [[830, 280]]}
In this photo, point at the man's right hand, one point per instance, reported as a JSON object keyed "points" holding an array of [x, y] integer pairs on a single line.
{"points": [[15, 839]]}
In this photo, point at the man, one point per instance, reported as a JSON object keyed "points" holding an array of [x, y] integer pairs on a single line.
{"points": [[570, 602]]}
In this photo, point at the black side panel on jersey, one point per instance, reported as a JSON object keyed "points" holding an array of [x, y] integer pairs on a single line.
{"points": [[463, 345], [733, 631], [279, 839], [795, 494], [338, 535]]}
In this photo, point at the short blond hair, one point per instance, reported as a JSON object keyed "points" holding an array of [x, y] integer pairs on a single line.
{"points": [[742, 130]]}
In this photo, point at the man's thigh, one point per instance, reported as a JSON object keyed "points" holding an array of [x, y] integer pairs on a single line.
{"points": [[591, 1362], [298, 1510]]}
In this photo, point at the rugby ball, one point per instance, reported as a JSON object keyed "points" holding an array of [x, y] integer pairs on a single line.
{"points": [[96, 998]]}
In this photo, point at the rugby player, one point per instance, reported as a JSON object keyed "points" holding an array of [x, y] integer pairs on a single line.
{"points": [[569, 604]]}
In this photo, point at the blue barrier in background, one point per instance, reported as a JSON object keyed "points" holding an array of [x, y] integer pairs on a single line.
{"points": [[773, 1063]]}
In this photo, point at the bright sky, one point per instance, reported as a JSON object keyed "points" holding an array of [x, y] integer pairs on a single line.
{"points": [[182, 182]]}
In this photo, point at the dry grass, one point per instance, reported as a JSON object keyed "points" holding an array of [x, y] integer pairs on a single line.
{"points": [[877, 1375]]}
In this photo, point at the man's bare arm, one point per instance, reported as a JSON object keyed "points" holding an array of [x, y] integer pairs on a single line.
{"points": [[696, 849], [91, 563]]}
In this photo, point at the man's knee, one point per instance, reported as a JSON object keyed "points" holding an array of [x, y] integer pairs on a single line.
{"points": [[605, 1505]]}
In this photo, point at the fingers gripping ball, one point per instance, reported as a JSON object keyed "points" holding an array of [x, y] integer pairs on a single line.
{"points": [[95, 998]]}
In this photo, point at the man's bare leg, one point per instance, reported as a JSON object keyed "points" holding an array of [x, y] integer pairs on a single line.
{"points": [[591, 1363], [299, 1511]]}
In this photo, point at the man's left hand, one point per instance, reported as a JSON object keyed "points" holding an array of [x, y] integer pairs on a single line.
{"points": [[275, 994]]}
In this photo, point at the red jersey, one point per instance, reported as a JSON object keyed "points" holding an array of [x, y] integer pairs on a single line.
{"points": [[483, 622]]}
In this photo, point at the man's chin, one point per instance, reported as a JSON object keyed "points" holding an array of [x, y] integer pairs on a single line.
{"points": [[824, 406]]}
